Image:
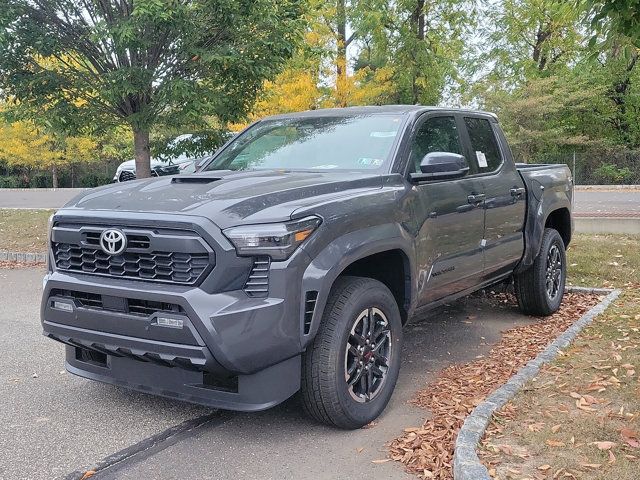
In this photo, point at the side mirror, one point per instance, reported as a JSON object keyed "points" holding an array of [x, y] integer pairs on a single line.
{"points": [[441, 166]]}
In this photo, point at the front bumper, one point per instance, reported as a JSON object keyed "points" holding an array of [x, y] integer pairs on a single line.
{"points": [[231, 351], [255, 392]]}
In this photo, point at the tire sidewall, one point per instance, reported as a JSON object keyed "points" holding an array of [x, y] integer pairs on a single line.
{"points": [[377, 296], [552, 238]]}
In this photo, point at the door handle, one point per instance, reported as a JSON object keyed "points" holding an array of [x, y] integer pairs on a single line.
{"points": [[476, 198], [517, 192]]}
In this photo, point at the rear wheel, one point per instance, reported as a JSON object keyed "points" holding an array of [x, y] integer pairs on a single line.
{"points": [[540, 288], [350, 370]]}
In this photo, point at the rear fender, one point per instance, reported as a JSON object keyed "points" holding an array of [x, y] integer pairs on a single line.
{"points": [[540, 204]]}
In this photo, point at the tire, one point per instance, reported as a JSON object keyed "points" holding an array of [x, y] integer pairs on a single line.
{"points": [[540, 288], [327, 367]]}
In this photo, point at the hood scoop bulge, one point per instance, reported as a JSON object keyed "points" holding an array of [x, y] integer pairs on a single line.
{"points": [[195, 180]]}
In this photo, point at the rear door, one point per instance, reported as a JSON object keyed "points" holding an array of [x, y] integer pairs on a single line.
{"points": [[505, 202], [449, 215]]}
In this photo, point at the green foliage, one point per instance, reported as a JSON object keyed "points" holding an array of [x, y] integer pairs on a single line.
{"points": [[10, 181], [615, 18], [413, 48], [91, 65], [94, 180], [608, 173]]}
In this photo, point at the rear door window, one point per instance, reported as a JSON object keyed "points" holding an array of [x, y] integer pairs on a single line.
{"points": [[484, 145]]}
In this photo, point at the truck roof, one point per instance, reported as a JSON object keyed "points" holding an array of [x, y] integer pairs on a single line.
{"points": [[373, 110]]}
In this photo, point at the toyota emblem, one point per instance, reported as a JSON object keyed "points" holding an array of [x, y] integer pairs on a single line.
{"points": [[113, 241]]}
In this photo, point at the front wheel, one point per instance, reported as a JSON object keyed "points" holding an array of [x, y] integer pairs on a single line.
{"points": [[350, 370], [540, 288]]}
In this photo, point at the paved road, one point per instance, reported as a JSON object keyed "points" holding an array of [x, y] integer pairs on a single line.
{"points": [[618, 203], [36, 197], [57, 424], [587, 202]]}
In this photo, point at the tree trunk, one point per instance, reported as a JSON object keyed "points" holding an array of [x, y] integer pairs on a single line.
{"points": [[341, 53], [417, 19], [142, 153], [417, 25], [54, 176]]}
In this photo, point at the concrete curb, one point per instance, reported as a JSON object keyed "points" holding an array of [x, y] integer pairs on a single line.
{"points": [[606, 188], [607, 225], [466, 464], [23, 257]]}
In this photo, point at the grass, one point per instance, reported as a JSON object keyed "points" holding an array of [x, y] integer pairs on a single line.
{"points": [[604, 260], [24, 230], [580, 418]]}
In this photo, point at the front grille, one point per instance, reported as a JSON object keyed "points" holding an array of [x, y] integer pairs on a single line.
{"points": [[159, 266], [133, 241], [127, 175], [257, 284], [132, 306], [148, 307], [159, 171], [159, 255]]}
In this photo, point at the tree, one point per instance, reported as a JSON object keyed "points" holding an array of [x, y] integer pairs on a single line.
{"points": [[526, 39], [412, 48], [23, 144], [615, 18], [141, 63]]}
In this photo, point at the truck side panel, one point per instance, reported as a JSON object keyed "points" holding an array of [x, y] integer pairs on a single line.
{"points": [[548, 191]]}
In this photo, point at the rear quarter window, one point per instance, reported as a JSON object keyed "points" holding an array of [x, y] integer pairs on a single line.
{"points": [[484, 144]]}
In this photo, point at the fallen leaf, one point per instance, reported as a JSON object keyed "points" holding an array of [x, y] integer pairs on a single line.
{"points": [[555, 443], [544, 468], [630, 437], [556, 428], [384, 460], [604, 445]]}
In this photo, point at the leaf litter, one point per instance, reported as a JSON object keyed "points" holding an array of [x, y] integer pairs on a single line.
{"points": [[427, 451]]}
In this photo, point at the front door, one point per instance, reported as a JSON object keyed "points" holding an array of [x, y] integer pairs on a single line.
{"points": [[450, 216]]}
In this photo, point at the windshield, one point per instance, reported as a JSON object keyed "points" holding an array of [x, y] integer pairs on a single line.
{"points": [[318, 143]]}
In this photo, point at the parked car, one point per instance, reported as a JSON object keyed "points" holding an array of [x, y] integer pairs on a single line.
{"points": [[180, 164], [293, 258], [127, 170]]}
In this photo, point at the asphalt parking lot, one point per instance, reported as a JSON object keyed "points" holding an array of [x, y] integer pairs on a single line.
{"points": [[55, 425]]}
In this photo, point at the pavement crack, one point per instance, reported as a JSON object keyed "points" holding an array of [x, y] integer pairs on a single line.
{"points": [[110, 465]]}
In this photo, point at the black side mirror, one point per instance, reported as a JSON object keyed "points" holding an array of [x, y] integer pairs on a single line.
{"points": [[441, 166]]}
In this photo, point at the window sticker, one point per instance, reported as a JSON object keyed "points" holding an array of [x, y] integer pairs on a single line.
{"points": [[383, 134], [369, 162], [482, 160]]}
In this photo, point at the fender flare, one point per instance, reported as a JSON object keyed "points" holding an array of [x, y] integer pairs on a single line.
{"points": [[327, 266]]}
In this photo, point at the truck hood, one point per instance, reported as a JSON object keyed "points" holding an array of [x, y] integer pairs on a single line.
{"points": [[226, 198]]}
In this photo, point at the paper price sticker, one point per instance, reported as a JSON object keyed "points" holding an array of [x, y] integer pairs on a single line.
{"points": [[482, 160]]}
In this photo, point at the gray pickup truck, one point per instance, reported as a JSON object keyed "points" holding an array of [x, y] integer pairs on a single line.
{"points": [[294, 256]]}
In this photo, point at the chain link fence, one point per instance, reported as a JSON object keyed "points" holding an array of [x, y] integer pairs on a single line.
{"points": [[599, 168]]}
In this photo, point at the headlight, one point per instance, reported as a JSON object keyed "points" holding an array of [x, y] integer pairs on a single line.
{"points": [[278, 240]]}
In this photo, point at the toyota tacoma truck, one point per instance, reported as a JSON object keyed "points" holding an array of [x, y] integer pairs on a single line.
{"points": [[292, 258]]}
